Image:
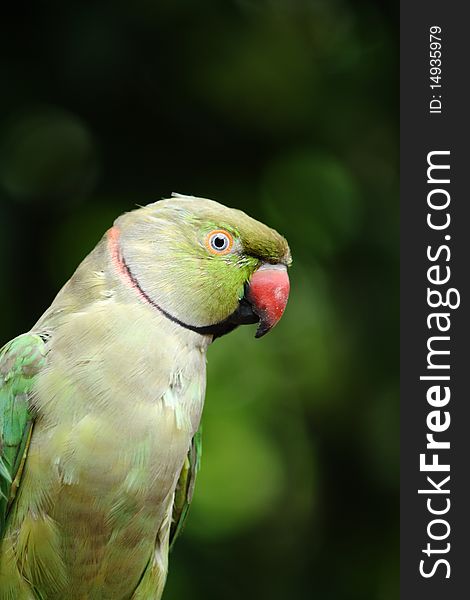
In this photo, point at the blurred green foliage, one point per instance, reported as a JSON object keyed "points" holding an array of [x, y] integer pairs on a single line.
{"points": [[288, 110]]}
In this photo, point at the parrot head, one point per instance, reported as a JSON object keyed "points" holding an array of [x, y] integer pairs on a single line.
{"points": [[204, 266]]}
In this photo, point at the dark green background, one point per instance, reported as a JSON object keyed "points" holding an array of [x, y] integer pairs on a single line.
{"points": [[288, 110]]}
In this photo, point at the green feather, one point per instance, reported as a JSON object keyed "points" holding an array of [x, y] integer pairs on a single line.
{"points": [[20, 361], [185, 487]]}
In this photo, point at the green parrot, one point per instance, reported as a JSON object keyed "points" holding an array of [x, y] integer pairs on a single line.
{"points": [[100, 403]]}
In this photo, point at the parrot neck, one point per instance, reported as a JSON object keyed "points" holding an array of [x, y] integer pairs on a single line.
{"points": [[126, 274]]}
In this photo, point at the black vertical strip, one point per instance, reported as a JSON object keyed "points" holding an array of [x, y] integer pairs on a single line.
{"points": [[423, 132]]}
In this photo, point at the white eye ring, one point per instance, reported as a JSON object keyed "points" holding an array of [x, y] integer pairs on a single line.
{"points": [[219, 241]]}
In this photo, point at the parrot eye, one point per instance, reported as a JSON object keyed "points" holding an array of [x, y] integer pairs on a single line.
{"points": [[219, 241]]}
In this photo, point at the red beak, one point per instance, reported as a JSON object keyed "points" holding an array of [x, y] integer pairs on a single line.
{"points": [[268, 291]]}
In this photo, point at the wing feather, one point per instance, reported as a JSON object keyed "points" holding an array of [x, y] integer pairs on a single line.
{"points": [[20, 361], [185, 486]]}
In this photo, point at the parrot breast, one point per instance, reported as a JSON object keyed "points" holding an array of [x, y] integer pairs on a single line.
{"points": [[117, 422]]}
